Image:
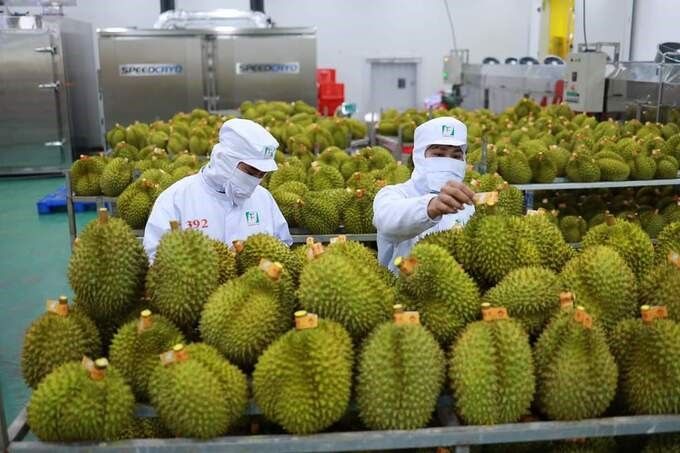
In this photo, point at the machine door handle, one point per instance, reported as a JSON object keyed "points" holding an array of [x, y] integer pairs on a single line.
{"points": [[50, 86], [48, 49], [58, 143]]}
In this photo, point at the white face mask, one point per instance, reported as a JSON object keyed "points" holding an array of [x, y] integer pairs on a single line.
{"points": [[240, 185], [440, 170]]}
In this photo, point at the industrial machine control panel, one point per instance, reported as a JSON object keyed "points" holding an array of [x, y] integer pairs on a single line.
{"points": [[584, 81]]}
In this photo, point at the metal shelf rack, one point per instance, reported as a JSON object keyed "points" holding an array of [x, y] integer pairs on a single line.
{"points": [[563, 184], [451, 434]]}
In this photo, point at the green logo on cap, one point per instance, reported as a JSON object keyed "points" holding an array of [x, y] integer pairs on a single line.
{"points": [[447, 131], [268, 152]]}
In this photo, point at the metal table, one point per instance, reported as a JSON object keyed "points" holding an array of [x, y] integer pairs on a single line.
{"points": [[450, 435]]}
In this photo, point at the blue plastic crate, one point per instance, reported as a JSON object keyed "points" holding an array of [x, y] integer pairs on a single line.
{"points": [[56, 202]]}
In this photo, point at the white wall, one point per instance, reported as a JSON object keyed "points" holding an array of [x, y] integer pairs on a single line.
{"points": [[606, 21], [654, 21], [350, 31]]}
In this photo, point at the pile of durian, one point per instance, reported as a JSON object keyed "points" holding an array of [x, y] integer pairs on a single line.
{"points": [[145, 159], [335, 190], [298, 127], [576, 211], [532, 144], [501, 314]]}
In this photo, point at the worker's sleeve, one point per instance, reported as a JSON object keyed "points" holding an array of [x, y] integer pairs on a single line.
{"points": [[162, 213], [279, 223], [399, 216]]}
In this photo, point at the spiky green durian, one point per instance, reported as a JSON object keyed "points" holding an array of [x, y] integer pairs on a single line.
{"points": [[540, 231], [126, 151], [321, 212], [437, 287], [493, 249], [75, 404], [401, 372], [363, 256], [356, 163], [116, 176], [158, 176], [198, 393], [603, 283], [667, 241], [648, 355], [243, 317], [146, 428], [582, 168], [60, 335], [136, 346], [334, 287], [642, 166], [652, 222], [107, 268], [136, 201], [628, 239], [184, 274], [358, 214], [543, 168], [661, 286], [323, 177], [85, 175], [226, 259], [250, 252], [515, 168], [303, 380], [531, 295], [492, 372], [115, 135], [573, 228], [288, 171], [572, 358]]}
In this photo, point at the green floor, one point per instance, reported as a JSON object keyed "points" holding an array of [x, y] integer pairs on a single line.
{"points": [[34, 253]]}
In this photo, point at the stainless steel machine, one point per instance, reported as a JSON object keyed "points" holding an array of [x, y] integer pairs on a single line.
{"points": [[152, 74], [48, 93]]}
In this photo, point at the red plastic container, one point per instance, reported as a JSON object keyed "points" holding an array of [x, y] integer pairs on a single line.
{"points": [[331, 91], [325, 75]]}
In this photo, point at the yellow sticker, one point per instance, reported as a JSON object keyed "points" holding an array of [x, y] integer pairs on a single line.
{"points": [[407, 317], [487, 198], [494, 313], [307, 321]]}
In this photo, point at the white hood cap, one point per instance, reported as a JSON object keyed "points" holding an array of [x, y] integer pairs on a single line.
{"points": [[248, 142], [445, 130]]}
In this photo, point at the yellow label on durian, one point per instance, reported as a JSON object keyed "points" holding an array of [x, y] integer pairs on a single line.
{"points": [[307, 321], [171, 357], [673, 258], [494, 313], [656, 312], [53, 306], [87, 363], [583, 318], [566, 300], [487, 198], [406, 317]]}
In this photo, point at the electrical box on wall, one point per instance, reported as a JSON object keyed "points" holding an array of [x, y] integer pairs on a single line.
{"points": [[453, 69], [584, 81]]}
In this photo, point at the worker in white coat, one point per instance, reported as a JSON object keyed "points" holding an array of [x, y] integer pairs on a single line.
{"points": [[434, 199], [224, 200]]}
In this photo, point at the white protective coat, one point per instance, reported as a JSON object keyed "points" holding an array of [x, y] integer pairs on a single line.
{"points": [[204, 201], [400, 211]]}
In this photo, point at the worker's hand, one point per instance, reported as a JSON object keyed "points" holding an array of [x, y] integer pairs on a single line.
{"points": [[452, 198]]}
